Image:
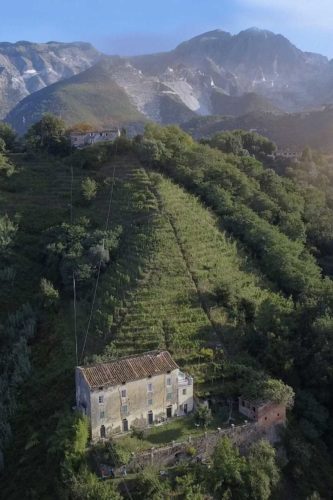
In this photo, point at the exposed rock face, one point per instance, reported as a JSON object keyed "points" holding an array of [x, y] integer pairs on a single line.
{"points": [[92, 96], [254, 61], [112, 92], [215, 73], [27, 67], [152, 95]]}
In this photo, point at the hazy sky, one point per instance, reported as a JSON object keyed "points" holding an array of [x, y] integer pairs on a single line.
{"points": [[139, 26]]}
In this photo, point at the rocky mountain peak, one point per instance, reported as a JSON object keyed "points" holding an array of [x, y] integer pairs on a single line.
{"points": [[26, 67], [254, 31], [212, 73]]}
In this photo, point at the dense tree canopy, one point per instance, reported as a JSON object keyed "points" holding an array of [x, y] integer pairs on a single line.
{"points": [[79, 249], [7, 135], [242, 143], [48, 135], [237, 477], [277, 221]]}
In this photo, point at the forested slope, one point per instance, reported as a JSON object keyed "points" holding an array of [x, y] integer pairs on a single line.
{"points": [[268, 215], [183, 247], [290, 130]]}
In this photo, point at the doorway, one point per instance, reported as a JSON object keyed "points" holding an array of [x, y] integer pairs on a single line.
{"points": [[125, 425], [185, 409], [169, 412], [150, 418], [102, 432]]}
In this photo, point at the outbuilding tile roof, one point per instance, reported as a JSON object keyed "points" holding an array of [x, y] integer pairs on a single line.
{"points": [[128, 369]]}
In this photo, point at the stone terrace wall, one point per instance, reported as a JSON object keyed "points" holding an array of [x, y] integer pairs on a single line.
{"points": [[242, 436]]}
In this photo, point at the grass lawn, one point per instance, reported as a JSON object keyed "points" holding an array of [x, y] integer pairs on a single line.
{"points": [[178, 429]]}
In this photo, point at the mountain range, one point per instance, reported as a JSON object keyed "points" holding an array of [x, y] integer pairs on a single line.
{"points": [[27, 67], [215, 73]]}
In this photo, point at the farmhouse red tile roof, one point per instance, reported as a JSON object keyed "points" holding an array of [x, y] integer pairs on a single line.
{"points": [[128, 369]]}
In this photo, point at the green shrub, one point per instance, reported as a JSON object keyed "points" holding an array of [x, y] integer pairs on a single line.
{"points": [[89, 189], [203, 415], [50, 296], [191, 451]]}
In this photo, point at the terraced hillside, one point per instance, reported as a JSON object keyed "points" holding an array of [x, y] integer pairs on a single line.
{"points": [[288, 334], [176, 307], [39, 194], [166, 309], [162, 288], [177, 303], [233, 291]]}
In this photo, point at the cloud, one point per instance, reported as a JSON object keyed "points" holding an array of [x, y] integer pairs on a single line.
{"points": [[308, 13]]}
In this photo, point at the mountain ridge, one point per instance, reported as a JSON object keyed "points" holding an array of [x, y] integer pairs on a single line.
{"points": [[210, 74], [293, 131], [79, 98], [26, 67]]}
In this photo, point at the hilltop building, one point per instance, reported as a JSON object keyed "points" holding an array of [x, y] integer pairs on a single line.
{"points": [[287, 153], [265, 413], [134, 391], [82, 139]]}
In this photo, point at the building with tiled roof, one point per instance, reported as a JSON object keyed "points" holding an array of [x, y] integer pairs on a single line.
{"points": [[82, 139], [134, 391]]}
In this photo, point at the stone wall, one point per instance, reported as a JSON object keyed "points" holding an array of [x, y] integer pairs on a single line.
{"points": [[242, 436]]}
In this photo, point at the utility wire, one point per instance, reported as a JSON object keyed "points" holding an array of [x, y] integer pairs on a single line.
{"points": [[95, 291], [72, 180], [99, 266], [74, 283], [92, 308], [110, 201], [75, 329]]}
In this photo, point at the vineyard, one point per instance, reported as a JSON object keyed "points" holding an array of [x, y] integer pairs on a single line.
{"points": [[178, 282], [173, 278]]}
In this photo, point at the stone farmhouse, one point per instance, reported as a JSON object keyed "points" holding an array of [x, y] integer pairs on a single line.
{"points": [[264, 413], [80, 140], [288, 154], [134, 391]]}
